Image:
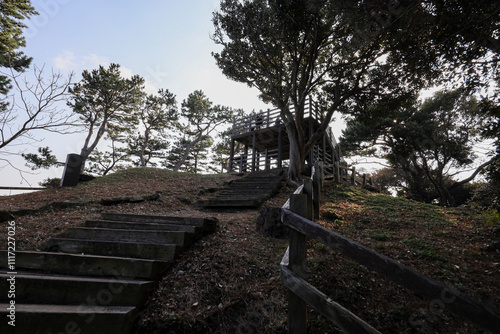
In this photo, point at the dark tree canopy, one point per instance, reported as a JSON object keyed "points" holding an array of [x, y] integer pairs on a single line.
{"points": [[427, 141], [293, 49]]}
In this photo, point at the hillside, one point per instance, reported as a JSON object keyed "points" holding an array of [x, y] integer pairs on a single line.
{"points": [[229, 282]]}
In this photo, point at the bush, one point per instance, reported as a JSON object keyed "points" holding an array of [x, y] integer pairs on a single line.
{"points": [[51, 183]]}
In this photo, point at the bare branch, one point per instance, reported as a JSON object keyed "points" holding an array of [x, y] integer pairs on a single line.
{"points": [[35, 106]]}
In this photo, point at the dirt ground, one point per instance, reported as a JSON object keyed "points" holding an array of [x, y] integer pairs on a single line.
{"points": [[229, 281]]}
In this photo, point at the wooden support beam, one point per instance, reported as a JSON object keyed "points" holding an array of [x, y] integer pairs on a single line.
{"points": [[254, 152], [337, 171], [267, 161], [231, 156]]}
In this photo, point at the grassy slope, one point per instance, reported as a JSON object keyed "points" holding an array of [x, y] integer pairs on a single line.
{"points": [[229, 282]]}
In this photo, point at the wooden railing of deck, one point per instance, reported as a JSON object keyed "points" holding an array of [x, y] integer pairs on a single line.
{"points": [[270, 118], [297, 214]]}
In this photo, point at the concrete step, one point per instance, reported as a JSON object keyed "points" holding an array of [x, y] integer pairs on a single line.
{"points": [[139, 236], [33, 288], [207, 224], [110, 248], [53, 319], [86, 265], [142, 226]]}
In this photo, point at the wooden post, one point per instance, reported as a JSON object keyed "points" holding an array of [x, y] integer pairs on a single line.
{"points": [[254, 153], [231, 156], [308, 190], [337, 172], [364, 180], [267, 162], [297, 308], [245, 165], [268, 118], [353, 176]]}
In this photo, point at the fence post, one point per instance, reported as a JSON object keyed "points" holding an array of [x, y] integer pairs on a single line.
{"points": [[353, 176], [364, 180], [297, 308], [308, 190]]}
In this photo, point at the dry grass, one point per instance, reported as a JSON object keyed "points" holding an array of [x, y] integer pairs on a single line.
{"points": [[229, 281]]}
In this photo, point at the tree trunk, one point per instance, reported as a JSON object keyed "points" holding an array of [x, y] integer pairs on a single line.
{"points": [[142, 161], [86, 150], [297, 154], [186, 152]]}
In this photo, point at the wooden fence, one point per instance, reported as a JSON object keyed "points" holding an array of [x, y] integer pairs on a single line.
{"points": [[297, 214], [271, 118], [341, 173]]}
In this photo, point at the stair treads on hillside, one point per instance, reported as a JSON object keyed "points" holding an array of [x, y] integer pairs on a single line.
{"points": [[76, 290], [248, 192], [142, 226], [92, 279], [139, 236], [207, 224], [86, 265], [150, 251], [68, 319]]}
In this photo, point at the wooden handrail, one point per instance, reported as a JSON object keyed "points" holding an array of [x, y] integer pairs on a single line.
{"points": [[269, 118]]}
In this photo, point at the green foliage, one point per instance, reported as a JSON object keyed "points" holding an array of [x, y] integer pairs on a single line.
{"points": [[106, 103], [195, 161], [421, 141], [198, 120], [157, 115], [492, 217], [115, 158], [422, 249], [45, 160], [51, 183], [12, 22]]}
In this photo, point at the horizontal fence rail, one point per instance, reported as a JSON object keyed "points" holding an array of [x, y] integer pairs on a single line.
{"points": [[22, 188]]}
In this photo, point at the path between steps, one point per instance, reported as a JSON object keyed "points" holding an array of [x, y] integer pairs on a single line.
{"points": [[93, 279], [248, 192]]}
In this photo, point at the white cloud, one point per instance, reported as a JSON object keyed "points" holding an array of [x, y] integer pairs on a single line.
{"points": [[93, 61], [67, 61]]}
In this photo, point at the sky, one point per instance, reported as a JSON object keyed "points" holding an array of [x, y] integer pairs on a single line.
{"points": [[167, 42]]}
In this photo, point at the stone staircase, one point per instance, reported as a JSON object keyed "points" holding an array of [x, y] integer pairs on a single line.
{"points": [[92, 279], [248, 192]]}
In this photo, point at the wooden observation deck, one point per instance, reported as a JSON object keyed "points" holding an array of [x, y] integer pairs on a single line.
{"points": [[260, 141]]}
